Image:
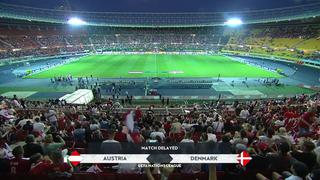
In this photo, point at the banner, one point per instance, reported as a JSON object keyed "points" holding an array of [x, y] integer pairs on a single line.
{"points": [[243, 158]]}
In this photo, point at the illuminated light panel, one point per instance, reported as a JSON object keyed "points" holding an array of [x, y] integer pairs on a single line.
{"points": [[233, 22], [76, 22]]}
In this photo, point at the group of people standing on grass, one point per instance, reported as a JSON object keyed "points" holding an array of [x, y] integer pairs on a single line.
{"points": [[59, 79]]}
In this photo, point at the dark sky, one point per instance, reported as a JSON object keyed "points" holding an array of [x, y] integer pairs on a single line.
{"points": [[162, 5]]}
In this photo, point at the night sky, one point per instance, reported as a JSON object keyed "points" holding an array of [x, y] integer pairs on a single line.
{"points": [[161, 5]]}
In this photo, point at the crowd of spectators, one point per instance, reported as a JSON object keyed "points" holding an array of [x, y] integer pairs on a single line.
{"points": [[41, 41], [282, 136], [299, 41]]}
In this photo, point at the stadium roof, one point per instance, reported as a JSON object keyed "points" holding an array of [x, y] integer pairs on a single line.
{"points": [[164, 6], [149, 19]]}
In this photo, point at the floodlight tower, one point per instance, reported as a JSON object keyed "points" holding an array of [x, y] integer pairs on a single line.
{"points": [[233, 22], [76, 21], [73, 20], [68, 5], [65, 6]]}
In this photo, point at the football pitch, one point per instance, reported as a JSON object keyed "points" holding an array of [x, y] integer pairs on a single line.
{"points": [[156, 65]]}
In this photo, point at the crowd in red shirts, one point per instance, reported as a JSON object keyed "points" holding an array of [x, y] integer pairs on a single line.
{"points": [[280, 135]]}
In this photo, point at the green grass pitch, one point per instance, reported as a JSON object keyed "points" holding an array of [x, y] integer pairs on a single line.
{"points": [[152, 65]]}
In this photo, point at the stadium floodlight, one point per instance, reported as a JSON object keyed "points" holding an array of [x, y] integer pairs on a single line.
{"points": [[76, 21], [233, 22]]}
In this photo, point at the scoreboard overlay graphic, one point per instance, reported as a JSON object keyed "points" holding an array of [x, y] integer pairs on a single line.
{"points": [[76, 158]]}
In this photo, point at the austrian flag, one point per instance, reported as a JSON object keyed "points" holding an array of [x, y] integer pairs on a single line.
{"points": [[75, 158]]}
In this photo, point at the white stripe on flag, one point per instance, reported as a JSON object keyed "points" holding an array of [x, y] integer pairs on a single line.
{"points": [[75, 158]]}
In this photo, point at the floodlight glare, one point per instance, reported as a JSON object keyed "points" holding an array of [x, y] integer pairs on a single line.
{"points": [[76, 21], [233, 22]]}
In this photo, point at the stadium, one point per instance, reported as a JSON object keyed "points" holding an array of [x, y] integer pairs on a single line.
{"points": [[89, 94]]}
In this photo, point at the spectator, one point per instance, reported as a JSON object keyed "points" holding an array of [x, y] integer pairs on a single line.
{"points": [[58, 168], [281, 160], [157, 133], [50, 146], [120, 136], [38, 126], [79, 133], [4, 162], [218, 125], [306, 121], [18, 165], [28, 126], [111, 146], [225, 146], [306, 154], [299, 172], [282, 135], [40, 165], [52, 117], [211, 136], [240, 138], [31, 147], [175, 126], [244, 113]]}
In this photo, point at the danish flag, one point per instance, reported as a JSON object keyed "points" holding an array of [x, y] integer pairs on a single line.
{"points": [[244, 158]]}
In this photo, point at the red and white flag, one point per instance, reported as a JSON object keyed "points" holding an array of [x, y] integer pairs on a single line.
{"points": [[129, 121]]}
